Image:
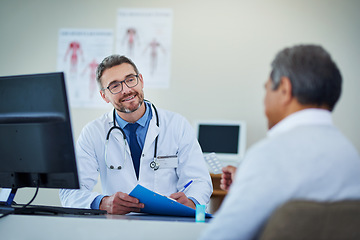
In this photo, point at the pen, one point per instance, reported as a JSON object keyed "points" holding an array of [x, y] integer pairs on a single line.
{"points": [[186, 185]]}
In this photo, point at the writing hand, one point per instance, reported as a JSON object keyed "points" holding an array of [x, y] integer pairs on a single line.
{"points": [[180, 197]]}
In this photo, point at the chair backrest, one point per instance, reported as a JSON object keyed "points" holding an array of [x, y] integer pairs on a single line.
{"points": [[302, 219]]}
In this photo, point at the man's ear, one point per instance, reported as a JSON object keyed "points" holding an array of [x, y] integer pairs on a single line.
{"points": [[285, 89], [141, 80], [104, 96]]}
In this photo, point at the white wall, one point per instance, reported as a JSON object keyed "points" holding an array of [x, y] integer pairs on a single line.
{"points": [[212, 41]]}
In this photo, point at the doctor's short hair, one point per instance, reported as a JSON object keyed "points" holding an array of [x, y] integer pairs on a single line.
{"points": [[314, 76], [112, 61]]}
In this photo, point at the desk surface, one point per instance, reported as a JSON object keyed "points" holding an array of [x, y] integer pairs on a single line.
{"points": [[99, 227]]}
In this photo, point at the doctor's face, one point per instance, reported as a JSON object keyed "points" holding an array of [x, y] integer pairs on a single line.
{"points": [[129, 99]]}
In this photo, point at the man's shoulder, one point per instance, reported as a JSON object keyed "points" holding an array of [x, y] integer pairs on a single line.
{"points": [[173, 122], [100, 122], [278, 143], [169, 115], [260, 146], [166, 111], [316, 137]]}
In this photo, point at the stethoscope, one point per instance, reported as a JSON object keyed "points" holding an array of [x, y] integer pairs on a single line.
{"points": [[154, 164]]}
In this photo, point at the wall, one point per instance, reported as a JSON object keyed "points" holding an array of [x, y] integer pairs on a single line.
{"points": [[220, 58]]}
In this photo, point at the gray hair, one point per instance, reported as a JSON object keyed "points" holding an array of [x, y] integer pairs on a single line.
{"points": [[314, 77], [111, 61]]}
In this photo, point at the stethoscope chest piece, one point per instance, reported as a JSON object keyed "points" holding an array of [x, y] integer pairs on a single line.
{"points": [[154, 165]]}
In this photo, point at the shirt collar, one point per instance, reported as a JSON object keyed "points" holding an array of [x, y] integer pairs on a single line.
{"points": [[310, 116], [142, 121]]}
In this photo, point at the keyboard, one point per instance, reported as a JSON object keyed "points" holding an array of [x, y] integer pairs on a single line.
{"points": [[49, 210]]}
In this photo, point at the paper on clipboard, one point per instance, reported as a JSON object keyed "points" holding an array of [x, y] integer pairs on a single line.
{"points": [[161, 205]]}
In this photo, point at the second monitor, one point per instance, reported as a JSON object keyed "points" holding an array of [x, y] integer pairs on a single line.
{"points": [[226, 138]]}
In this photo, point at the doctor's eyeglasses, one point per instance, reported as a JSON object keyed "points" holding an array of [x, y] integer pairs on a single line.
{"points": [[116, 87]]}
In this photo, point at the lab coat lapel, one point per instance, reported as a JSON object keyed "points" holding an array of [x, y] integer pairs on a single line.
{"points": [[152, 133], [109, 119]]}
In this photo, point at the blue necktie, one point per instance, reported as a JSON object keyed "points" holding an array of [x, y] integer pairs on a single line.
{"points": [[134, 147]]}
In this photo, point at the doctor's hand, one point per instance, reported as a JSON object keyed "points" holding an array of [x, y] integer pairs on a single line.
{"points": [[227, 177], [180, 197], [120, 203]]}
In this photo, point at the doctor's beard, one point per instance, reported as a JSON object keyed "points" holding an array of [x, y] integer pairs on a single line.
{"points": [[122, 108]]}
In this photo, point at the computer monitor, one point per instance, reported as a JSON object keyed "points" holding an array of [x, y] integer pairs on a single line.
{"points": [[226, 138], [36, 141]]}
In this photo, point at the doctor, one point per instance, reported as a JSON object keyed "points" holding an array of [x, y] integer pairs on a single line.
{"points": [[135, 144]]}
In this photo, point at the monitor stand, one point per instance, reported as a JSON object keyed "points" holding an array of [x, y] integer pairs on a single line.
{"points": [[10, 207], [5, 206], [11, 197], [7, 196]]}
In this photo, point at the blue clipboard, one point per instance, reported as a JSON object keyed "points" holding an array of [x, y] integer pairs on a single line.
{"points": [[158, 204]]}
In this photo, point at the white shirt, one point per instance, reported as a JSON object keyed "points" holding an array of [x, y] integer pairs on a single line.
{"points": [[303, 157]]}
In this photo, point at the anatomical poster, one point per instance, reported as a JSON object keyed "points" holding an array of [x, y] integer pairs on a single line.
{"points": [[145, 36], [79, 53]]}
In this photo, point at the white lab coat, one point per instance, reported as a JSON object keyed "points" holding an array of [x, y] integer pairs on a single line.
{"points": [[176, 138]]}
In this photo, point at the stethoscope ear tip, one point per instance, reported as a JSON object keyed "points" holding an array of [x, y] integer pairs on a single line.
{"points": [[112, 167]]}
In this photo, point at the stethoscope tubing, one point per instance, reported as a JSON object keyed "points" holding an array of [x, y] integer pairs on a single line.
{"points": [[153, 164]]}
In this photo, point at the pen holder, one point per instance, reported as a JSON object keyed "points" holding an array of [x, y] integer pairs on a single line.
{"points": [[200, 213]]}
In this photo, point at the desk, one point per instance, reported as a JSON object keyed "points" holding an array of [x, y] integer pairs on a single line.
{"points": [[99, 227], [218, 194]]}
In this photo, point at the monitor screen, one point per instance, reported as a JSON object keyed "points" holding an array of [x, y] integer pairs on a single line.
{"points": [[226, 139], [36, 142]]}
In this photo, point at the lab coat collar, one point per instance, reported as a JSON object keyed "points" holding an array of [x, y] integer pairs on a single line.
{"points": [[110, 118], [153, 131], [310, 116]]}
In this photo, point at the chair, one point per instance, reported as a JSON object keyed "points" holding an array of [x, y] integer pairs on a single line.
{"points": [[300, 219]]}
